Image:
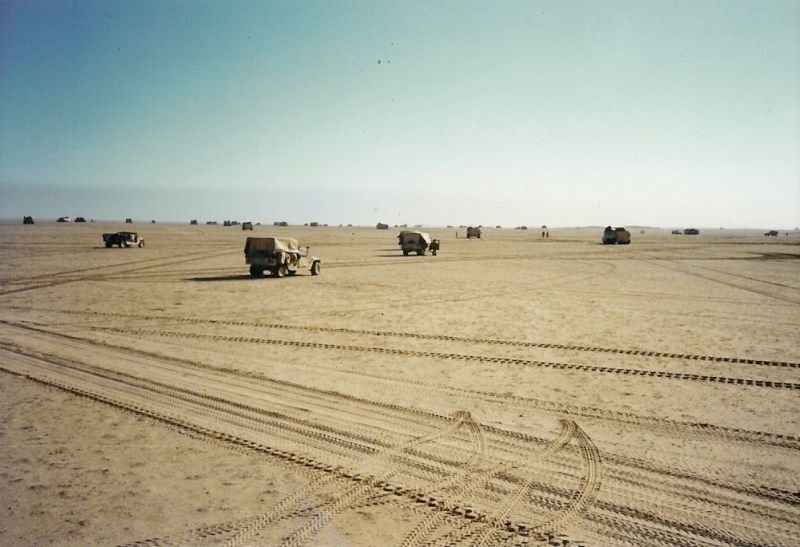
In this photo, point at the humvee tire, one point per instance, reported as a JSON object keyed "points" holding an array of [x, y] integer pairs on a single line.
{"points": [[141, 243], [405, 253], [256, 271], [420, 252], [280, 271], [108, 244], [122, 243], [315, 268]]}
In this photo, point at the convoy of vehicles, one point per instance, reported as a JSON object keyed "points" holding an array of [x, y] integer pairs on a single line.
{"points": [[278, 257]]}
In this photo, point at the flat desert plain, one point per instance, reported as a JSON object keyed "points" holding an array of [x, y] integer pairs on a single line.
{"points": [[513, 390]]}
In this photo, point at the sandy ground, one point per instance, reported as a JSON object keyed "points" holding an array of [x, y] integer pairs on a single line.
{"points": [[512, 390]]}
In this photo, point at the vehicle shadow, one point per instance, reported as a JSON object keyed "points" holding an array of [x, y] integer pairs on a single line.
{"points": [[400, 255], [238, 277]]}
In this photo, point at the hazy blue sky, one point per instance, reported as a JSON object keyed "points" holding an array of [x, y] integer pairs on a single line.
{"points": [[662, 113]]}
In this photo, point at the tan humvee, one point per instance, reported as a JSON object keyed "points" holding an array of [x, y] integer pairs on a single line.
{"points": [[620, 236], [413, 242], [279, 257]]}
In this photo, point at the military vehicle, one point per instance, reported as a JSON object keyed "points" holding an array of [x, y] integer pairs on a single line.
{"points": [[27, 220], [473, 232], [247, 226], [620, 236], [279, 257], [123, 239], [691, 232], [773, 233], [413, 242]]}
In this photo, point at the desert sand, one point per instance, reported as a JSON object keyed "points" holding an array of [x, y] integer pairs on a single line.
{"points": [[512, 390]]}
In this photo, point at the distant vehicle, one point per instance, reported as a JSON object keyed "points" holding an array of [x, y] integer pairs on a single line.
{"points": [[280, 223], [473, 232], [123, 239], [64, 219], [247, 225], [382, 226], [27, 220], [521, 228], [413, 242], [676, 232], [773, 233], [619, 236], [193, 222], [279, 257], [226, 223], [80, 219], [128, 221], [691, 231]]}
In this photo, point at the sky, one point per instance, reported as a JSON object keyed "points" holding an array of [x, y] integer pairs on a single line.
{"points": [[567, 113]]}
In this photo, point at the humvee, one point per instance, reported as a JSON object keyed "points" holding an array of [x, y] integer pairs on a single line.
{"points": [[773, 233], [279, 257], [247, 226], [123, 239], [619, 236], [413, 242], [473, 232]]}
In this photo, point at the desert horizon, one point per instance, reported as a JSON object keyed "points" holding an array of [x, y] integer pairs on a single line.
{"points": [[512, 390]]}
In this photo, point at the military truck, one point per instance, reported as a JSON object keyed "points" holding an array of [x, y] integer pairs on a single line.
{"points": [[773, 233], [279, 257], [473, 232], [619, 236], [691, 232], [123, 239], [413, 242], [247, 226]]}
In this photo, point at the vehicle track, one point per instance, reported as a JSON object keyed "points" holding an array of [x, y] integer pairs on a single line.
{"points": [[515, 482], [710, 274], [695, 429], [60, 278], [211, 416], [424, 336], [772, 384]]}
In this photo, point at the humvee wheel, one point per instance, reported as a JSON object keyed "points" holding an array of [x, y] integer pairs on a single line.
{"points": [[405, 253], [420, 252], [315, 268], [141, 243], [122, 243], [256, 271], [108, 244], [280, 271]]}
